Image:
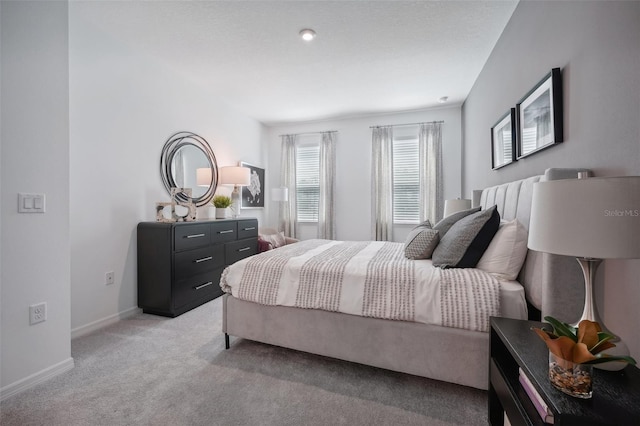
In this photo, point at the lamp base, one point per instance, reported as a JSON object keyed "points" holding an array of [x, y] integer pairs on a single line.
{"points": [[589, 267], [235, 202]]}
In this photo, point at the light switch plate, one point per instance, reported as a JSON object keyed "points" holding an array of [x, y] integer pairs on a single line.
{"points": [[31, 203]]}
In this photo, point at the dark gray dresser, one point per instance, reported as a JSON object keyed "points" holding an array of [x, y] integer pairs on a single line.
{"points": [[179, 264]]}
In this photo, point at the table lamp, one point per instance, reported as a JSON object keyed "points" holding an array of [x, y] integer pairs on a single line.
{"points": [[237, 176], [592, 219], [457, 205], [281, 195]]}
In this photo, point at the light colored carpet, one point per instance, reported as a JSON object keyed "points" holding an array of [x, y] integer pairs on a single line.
{"points": [[150, 370]]}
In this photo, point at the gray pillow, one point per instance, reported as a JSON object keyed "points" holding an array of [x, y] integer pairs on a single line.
{"points": [[420, 243], [467, 239], [445, 224]]}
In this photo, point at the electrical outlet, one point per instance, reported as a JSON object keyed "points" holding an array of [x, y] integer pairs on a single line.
{"points": [[37, 313], [109, 278]]}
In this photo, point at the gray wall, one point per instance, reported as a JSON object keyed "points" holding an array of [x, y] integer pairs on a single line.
{"points": [[597, 45], [35, 158]]}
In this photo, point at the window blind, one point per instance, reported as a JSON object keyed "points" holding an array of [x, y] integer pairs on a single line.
{"points": [[406, 181], [308, 182]]}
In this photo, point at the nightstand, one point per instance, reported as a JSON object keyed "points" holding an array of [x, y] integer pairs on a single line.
{"points": [[616, 394]]}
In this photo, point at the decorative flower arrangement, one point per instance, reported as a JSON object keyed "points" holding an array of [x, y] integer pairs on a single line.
{"points": [[582, 345], [572, 353]]}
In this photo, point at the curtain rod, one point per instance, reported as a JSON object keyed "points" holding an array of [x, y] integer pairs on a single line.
{"points": [[309, 133], [408, 124]]}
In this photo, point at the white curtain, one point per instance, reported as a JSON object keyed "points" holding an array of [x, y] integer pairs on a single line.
{"points": [[288, 210], [382, 184], [326, 212], [430, 151]]}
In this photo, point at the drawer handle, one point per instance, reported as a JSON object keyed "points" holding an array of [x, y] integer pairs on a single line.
{"points": [[195, 236], [204, 259], [226, 231], [244, 249], [250, 229], [203, 285]]}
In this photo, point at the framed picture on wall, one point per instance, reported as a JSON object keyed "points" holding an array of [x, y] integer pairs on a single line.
{"points": [[253, 194], [539, 115], [503, 140]]}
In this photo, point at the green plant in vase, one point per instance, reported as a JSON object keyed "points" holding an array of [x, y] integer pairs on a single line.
{"points": [[221, 203]]}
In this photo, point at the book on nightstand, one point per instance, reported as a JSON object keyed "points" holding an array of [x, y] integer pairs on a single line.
{"points": [[536, 399]]}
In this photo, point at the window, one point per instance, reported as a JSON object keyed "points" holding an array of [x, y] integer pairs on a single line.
{"points": [[308, 182], [406, 180]]}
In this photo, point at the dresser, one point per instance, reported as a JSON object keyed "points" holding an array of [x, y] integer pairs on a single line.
{"points": [[179, 264]]}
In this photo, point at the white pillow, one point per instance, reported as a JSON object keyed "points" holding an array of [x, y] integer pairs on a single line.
{"points": [[506, 252]]}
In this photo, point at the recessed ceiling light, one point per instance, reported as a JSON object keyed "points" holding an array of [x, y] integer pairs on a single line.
{"points": [[307, 34], [443, 99]]}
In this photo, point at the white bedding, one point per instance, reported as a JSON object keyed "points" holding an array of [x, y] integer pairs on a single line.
{"points": [[371, 279]]}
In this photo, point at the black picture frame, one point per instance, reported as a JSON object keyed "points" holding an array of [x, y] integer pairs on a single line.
{"points": [[503, 140], [539, 116], [252, 195]]}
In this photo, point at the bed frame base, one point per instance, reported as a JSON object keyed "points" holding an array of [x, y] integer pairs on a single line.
{"points": [[441, 353]]}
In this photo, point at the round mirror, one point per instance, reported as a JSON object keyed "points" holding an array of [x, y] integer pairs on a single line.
{"points": [[187, 161]]}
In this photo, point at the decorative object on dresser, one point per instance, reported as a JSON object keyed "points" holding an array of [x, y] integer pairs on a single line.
{"points": [[221, 203], [179, 264], [514, 348], [190, 214], [539, 116], [591, 219], [253, 193], [182, 157], [503, 140], [236, 176]]}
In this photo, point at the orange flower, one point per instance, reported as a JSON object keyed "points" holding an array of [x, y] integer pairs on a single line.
{"points": [[581, 346]]}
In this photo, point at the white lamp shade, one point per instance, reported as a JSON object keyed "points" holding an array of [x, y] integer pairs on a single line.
{"points": [[203, 176], [280, 194], [457, 205], [235, 175], [595, 218]]}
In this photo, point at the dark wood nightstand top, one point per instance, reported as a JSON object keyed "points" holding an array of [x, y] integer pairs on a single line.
{"points": [[616, 394]]}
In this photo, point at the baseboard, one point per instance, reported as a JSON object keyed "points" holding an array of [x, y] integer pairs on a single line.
{"points": [[101, 323], [35, 379]]}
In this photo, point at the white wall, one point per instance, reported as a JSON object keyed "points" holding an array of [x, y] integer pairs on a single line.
{"points": [[597, 45], [124, 105], [353, 165], [35, 158]]}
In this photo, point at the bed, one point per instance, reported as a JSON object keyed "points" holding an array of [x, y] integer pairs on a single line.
{"points": [[416, 343]]}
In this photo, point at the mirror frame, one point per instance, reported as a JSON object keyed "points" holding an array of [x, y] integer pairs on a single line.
{"points": [[170, 149]]}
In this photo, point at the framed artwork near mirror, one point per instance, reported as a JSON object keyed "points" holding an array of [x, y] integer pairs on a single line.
{"points": [[503, 140], [254, 193], [539, 116]]}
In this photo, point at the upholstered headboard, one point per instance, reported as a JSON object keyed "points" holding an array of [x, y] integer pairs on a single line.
{"points": [[553, 284]]}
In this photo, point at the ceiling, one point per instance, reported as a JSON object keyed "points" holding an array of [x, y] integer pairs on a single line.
{"points": [[368, 56]]}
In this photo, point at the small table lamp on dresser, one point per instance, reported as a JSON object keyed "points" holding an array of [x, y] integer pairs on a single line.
{"points": [[592, 219], [237, 176]]}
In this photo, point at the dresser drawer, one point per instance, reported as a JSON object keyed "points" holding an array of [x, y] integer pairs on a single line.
{"points": [[191, 236], [200, 288], [224, 231], [198, 261], [240, 249], [247, 228]]}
